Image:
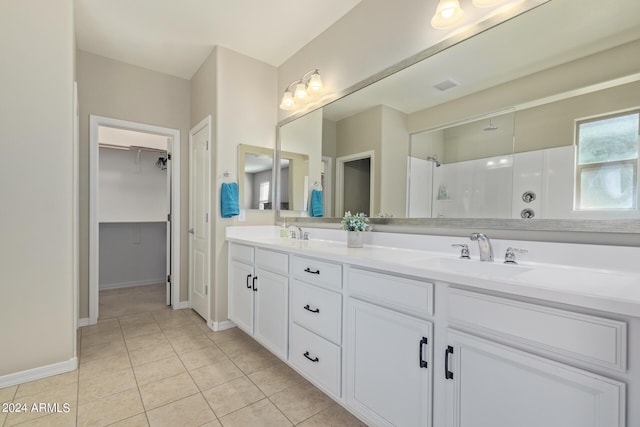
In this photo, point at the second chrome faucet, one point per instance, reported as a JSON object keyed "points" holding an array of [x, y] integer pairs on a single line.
{"points": [[486, 250]]}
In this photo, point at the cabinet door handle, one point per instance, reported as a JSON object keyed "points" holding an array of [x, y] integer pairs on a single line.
{"points": [[313, 310], [248, 277], [423, 342], [253, 285], [310, 271], [314, 360], [447, 373]]}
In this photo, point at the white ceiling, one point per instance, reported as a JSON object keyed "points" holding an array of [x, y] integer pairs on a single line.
{"points": [[175, 37]]}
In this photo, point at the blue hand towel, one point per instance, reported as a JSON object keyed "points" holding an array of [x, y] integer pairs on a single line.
{"points": [[316, 208], [229, 205]]}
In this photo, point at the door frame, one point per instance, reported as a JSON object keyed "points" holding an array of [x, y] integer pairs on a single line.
{"points": [[197, 128], [340, 161], [94, 235]]}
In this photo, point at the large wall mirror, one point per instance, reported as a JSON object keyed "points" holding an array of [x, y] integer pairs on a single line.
{"points": [[513, 123]]}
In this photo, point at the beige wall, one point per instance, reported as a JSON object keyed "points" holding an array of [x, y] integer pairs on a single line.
{"points": [[117, 90], [394, 149], [329, 150], [36, 136], [239, 92]]}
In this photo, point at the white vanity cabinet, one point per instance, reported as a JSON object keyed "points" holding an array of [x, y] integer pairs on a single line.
{"points": [[316, 322], [259, 295], [492, 385], [496, 385], [389, 353]]}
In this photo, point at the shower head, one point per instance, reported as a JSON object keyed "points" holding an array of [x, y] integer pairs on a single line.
{"points": [[491, 126], [434, 159]]}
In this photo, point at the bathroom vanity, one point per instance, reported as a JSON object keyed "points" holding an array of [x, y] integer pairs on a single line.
{"points": [[403, 332]]}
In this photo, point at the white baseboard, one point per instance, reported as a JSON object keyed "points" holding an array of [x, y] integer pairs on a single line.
{"points": [[83, 322], [39, 373], [107, 286], [221, 326], [181, 305]]}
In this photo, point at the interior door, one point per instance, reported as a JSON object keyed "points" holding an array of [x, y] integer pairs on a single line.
{"points": [[199, 221], [169, 198]]}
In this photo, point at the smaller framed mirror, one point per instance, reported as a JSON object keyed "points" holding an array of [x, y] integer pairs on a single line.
{"points": [[256, 178]]}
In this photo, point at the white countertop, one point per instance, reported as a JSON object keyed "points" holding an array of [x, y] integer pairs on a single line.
{"points": [[608, 289]]}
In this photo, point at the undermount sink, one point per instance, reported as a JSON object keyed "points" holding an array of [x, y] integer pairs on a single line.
{"points": [[479, 268]]}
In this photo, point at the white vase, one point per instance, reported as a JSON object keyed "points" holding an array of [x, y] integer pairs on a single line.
{"points": [[355, 239]]}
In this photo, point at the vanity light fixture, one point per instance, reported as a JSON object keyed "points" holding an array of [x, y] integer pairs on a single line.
{"points": [[310, 81], [448, 13]]}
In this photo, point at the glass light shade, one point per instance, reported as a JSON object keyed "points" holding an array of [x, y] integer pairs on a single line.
{"points": [[301, 91], [315, 83], [448, 14], [486, 3], [287, 101]]}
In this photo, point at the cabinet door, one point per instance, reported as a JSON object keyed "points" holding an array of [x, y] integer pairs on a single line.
{"points": [[491, 385], [388, 366], [272, 291], [241, 295]]}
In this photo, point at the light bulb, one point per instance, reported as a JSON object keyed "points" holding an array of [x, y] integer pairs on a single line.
{"points": [[448, 13], [315, 83], [301, 91], [287, 101]]}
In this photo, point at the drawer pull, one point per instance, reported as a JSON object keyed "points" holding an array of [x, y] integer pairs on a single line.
{"points": [[255, 288], [314, 360], [447, 373], [248, 277], [310, 271], [423, 342], [313, 310]]}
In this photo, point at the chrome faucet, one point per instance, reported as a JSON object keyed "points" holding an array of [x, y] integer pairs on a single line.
{"points": [[486, 250], [293, 233]]}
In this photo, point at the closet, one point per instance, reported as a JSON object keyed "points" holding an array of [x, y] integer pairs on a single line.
{"points": [[133, 208]]}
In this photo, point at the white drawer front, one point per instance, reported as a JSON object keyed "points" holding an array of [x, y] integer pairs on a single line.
{"points": [[316, 272], [276, 262], [592, 339], [316, 357], [411, 296], [241, 253], [317, 309]]}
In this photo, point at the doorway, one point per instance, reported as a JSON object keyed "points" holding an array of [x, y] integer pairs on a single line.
{"points": [[355, 183], [133, 209]]}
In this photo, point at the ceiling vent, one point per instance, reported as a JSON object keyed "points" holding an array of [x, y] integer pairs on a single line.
{"points": [[446, 85]]}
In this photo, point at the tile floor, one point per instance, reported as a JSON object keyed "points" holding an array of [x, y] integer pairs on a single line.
{"points": [[166, 368]]}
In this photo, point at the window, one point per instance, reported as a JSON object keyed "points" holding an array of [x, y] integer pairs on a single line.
{"points": [[264, 194], [607, 163]]}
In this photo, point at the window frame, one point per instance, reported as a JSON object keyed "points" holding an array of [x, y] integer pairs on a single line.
{"points": [[596, 165]]}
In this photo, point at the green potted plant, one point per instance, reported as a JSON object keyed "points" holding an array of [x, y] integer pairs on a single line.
{"points": [[355, 225]]}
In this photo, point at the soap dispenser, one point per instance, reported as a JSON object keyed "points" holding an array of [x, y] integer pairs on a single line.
{"points": [[283, 230]]}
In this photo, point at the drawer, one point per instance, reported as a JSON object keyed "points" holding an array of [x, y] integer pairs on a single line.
{"points": [[407, 295], [592, 339], [241, 253], [316, 358], [317, 309], [276, 262], [321, 273]]}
